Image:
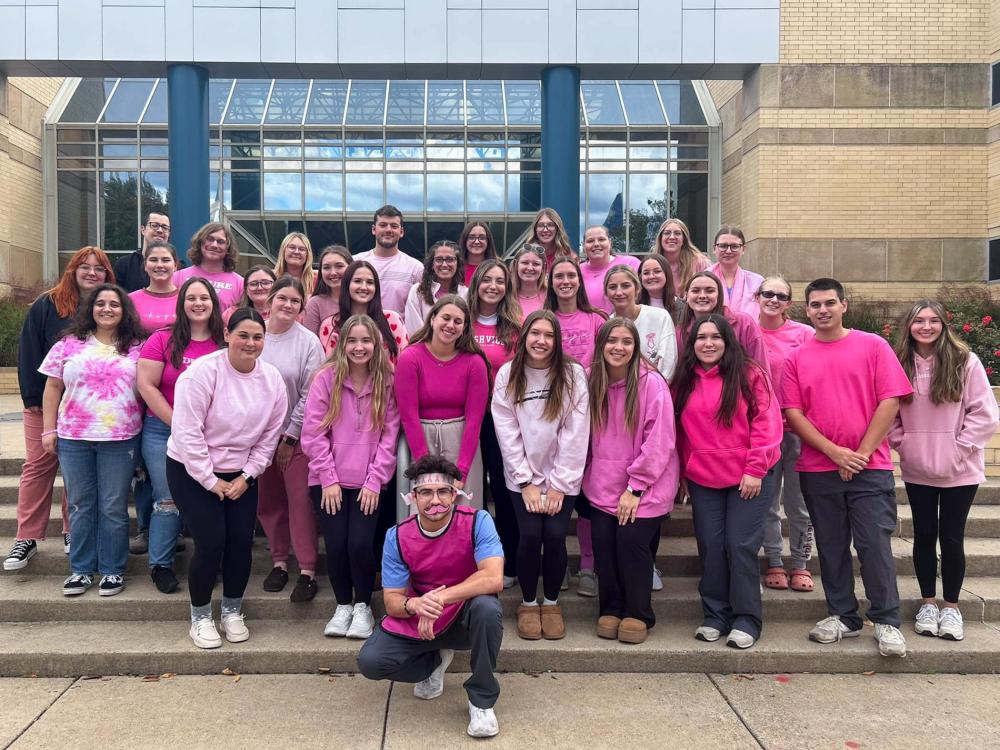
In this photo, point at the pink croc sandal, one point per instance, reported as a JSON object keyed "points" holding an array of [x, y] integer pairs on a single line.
{"points": [[776, 578], [802, 580]]}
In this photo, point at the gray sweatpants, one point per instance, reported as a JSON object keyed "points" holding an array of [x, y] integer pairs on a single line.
{"points": [[865, 509], [788, 492], [385, 656]]}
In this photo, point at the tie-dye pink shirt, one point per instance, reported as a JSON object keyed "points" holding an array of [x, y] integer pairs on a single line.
{"points": [[100, 402]]}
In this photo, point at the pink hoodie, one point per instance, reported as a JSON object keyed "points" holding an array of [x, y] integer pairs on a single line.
{"points": [[645, 459], [348, 452], [717, 456], [941, 445]]}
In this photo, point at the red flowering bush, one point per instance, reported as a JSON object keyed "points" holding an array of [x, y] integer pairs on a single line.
{"points": [[975, 316]]}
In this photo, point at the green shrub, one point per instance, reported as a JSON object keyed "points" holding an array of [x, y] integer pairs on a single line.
{"points": [[12, 314]]}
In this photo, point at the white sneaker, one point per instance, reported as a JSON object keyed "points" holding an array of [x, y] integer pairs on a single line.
{"points": [[927, 620], [340, 623], [204, 634], [831, 630], [951, 625], [508, 582], [362, 623], [708, 634], [482, 722], [657, 580], [890, 640], [433, 686], [740, 639], [234, 627]]}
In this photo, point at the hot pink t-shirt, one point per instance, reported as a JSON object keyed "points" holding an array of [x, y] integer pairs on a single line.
{"points": [[781, 342], [155, 311], [228, 284], [593, 280], [157, 348], [838, 385], [579, 334], [485, 335]]}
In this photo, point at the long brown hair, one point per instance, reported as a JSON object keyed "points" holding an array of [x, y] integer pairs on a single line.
{"points": [[687, 314], [463, 240], [509, 309], [466, 342], [232, 251], [379, 370], [245, 300], [582, 300], [561, 388], [321, 287], [951, 355], [688, 256], [308, 277], [374, 308], [561, 241], [733, 368], [129, 330], [180, 331], [430, 276], [598, 382], [669, 293], [65, 294]]}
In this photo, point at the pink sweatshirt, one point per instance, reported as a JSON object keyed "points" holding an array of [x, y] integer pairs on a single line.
{"points": [[579, 334], [427, 388], [225, 420], [717, 456], [350, 452], [319, 307], [546, 454], [747, 332], [645, 459], [941, 445], [744, 286]]}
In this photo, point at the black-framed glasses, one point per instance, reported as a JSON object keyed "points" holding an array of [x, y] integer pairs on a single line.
{"points": [[780, 296], [728, 247], [445, 261], [157, 226]]}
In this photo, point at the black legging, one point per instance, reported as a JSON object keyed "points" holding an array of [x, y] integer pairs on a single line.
{"points": [[940, 513], [536, 529], [348, 535], [222, 531], [503, 512], [623, 556]]}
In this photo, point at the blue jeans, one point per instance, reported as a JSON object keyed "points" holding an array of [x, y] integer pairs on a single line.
{"points": [[165, 521], [97, 476]]}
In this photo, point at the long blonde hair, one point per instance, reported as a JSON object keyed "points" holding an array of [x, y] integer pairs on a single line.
{"points": [[543, 279], [951, 355], [598, 381], [689, 256], [379, 370], [308, 277], [561, 241]]}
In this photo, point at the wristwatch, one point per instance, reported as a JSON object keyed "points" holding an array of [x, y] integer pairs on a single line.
{"points": [[638, 493], [249, 479], [289, 440]]}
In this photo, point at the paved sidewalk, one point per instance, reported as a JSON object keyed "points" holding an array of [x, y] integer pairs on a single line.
{"points": [[547, 711]]}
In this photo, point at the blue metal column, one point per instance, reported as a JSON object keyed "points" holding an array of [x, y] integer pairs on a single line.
{"points": [[187, 151], [561, 145]]}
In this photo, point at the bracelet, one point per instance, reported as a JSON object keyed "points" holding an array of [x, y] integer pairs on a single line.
{"points": [[406, 600], [49, 432]]}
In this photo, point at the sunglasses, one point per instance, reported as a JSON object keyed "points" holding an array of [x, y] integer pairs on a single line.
{"points": [[780, 296]]}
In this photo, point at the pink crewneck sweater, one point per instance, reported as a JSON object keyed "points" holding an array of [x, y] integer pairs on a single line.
{"points": [[427, 388]]}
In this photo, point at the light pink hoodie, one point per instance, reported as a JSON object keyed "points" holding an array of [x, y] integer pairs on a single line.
{"points": [[717, 456], [941, 445], [645, 459], [349, 452]]}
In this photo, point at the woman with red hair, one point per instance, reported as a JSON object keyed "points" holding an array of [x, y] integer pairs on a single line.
{"points": [[48, 316]]}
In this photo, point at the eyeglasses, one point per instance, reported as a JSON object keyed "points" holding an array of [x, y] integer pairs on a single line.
{"points": [[428, 493], [445, 261], [158, 227], [260, 284], [216, 241], [780, 296], [99, 270], [729, 248], [672, 233], [545, 225], [477, 238]]}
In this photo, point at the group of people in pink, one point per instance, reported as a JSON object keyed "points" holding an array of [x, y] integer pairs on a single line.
{"points": [[387, 405]]}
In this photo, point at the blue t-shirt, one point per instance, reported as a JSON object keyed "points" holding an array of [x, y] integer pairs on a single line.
{"points": [[395, 574]]}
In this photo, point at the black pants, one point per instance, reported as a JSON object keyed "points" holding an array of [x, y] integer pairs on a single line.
{"points": [[386, 518], [348, 534], [222, 531], [537, 530], [480, 629], [864, 510], [729, 531], [940, 513], [624, 560], [503, 511]]}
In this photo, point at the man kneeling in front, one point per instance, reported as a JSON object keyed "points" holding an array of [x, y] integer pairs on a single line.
{"points": [[441, 572]]}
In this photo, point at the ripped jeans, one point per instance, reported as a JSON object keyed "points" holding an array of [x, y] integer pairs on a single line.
{"points": [[165, 521]]}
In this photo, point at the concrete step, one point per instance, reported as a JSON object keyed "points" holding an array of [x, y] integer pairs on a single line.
{"points": [[57, 648], [26, 597], [677, 557]]}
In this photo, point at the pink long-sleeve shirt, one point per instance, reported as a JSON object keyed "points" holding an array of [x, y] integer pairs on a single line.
{"points": [[717, 456], [427, 388], [225, 420], [644, 459], [941, 445], [350, 452]]}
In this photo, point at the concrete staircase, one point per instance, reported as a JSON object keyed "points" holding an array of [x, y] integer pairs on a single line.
{"points": [[144, 632]]}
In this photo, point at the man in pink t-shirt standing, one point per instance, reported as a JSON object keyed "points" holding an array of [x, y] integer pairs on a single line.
{"points": [[396, 270], [840, 393]]}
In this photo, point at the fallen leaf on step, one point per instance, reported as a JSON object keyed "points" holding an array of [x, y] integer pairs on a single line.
{"points": [[324, 670], [151, 678], [168, 675], [237, 678], [331, 679], [868, 674], [739, 677]]}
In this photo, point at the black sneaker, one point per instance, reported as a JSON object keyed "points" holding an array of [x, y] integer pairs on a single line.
{"points": [[77, 584], [22, 551], [164, 578], [111, 585], [140, 543], [305, 589], [276, 579]]}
